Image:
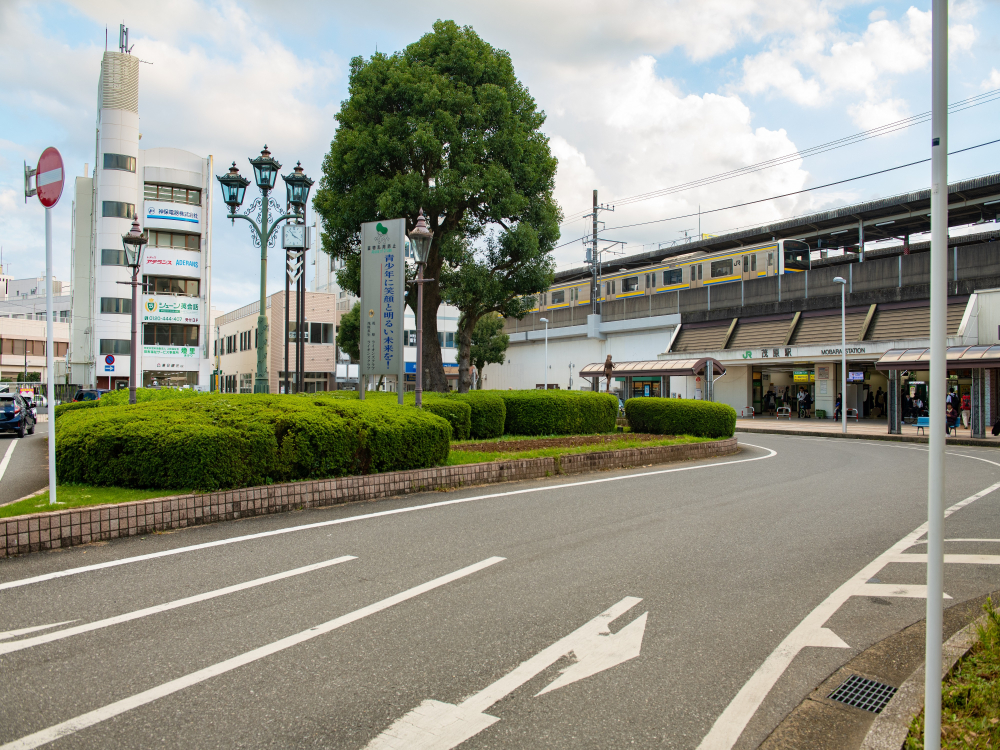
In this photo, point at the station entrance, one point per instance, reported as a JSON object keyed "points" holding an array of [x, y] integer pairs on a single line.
{"points": [[777, 387]]}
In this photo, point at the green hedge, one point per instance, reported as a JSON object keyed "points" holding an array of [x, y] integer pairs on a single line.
{"points": [[119, 397], [74, 405], [541, 412], [220, 441], [680, 416], [489, 413], [458, 413]]}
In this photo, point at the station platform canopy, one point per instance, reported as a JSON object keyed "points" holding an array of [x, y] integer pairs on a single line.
{"points": [[959, 358], [653, 368]]}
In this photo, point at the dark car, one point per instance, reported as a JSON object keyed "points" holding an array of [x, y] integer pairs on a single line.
{"points": [[15, 415], [90, 394]]}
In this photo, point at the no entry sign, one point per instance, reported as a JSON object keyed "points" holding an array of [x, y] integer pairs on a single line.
{"points": [[49, 179]]}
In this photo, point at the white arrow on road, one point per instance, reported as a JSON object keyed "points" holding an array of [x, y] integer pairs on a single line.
{"points": [[434, 725]]}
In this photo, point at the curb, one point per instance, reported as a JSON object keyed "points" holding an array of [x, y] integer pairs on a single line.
{"points": [[889, 730], [76, 526], [855, 436]]}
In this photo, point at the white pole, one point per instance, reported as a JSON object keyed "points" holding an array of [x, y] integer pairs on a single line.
{"points": [[50, 378], [843, 358], [938, 373], [546, 355]]}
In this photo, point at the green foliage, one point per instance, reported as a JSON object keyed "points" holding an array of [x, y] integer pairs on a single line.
{"points": [[447, 126], [541, 412], [680, 416], [487, 343], [143, 395], [349, 333], [220, 441], [457, 413], [489, 413], [74, 405]]}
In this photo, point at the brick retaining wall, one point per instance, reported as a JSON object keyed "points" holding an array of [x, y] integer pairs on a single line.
{"points": [[68, 528]]}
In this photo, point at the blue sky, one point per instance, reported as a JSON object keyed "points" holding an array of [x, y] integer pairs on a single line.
{"points": [[639, 96]]}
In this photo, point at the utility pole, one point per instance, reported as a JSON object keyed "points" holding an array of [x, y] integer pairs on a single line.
{"points": [[593, 256]]}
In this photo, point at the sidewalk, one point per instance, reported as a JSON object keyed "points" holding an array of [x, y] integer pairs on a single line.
{"points": [[867, 429]]}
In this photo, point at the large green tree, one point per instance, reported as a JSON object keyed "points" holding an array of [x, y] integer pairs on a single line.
{"points": [[489, 344], [446, 126], [349, 333]]}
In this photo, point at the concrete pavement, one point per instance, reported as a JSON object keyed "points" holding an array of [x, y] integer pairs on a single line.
{"points": [[27, 465], [729, 557]]}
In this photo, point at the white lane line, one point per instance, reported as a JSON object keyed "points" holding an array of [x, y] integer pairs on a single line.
{"points": [[958, 559], [6, 648], [91, 718], [6, 457], [24, 631], [924, 541], [731, 722], [364, 517]]}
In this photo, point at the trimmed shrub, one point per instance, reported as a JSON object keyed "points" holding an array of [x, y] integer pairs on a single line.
{"points": [[221, 441], [74, 405], [119, 397], [488, 413], [680, 416], [456, 411], [541, 412]]}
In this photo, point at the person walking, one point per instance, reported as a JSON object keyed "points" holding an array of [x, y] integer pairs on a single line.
{"points": [[802, 402], [837, 407], [808, 403], [879, 402], [966, 410]]}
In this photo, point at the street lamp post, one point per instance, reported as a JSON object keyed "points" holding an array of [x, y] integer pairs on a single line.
{"points": [[297, 187], [265, 169], [420, 239], [134, 242], [843, 352], [546, 379]]}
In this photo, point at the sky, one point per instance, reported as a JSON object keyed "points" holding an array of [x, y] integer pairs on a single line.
{"points": [[639, 96]]}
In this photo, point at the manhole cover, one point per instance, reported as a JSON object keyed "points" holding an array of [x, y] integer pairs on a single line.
{"points": [[863, 693]]}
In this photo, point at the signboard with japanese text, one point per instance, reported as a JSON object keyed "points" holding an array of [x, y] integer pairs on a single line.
{"points": [[383, 285], [171, 309], [187, 352], [179, 217], [165, 261]]}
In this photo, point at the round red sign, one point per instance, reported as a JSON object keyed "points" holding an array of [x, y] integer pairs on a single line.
{"points": [[49, 179]]}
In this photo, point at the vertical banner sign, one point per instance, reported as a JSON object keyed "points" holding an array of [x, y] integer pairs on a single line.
{"points": [[383, 285]]}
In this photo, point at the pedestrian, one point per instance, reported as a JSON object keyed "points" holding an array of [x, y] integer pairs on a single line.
{"points": [[808, 403], [966, 410], [609, 366], [951, 416], [788, 396], [802, 402], [879, 402], [837, 407]]}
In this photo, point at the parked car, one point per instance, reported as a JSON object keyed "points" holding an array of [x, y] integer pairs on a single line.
{"points": [[90, 394], [15, 415]]}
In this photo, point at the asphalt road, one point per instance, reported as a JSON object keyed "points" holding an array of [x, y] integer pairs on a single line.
{"points": [[27, 471], [729, 558]]}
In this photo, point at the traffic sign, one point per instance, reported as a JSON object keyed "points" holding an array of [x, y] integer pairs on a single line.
{"points": [[110, 359], [49, 178]]}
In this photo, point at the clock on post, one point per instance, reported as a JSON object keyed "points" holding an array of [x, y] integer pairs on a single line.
{"points": [[293, 236]]}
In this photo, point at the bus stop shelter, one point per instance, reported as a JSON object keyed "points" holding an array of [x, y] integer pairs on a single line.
{"points": [[658, 370], [983, 361]]}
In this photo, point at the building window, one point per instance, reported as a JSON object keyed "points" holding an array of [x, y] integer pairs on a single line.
{"points": [[630, 284], [161, 285], [175, 240], [673, 276], [116, 346], [117, 210], [119, 161], [246, 382], [446, 340], [113, 257], [65, 316], [169, 334], [171, 194], [321, 333], [409, 338], [118, 305]]}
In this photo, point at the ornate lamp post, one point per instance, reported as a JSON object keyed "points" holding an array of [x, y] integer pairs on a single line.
{"points": [[265, 170], [134, 242], [296, 243], [420, 238]]}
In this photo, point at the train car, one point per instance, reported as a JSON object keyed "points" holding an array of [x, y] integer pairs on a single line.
{"points": [[686, 272]]}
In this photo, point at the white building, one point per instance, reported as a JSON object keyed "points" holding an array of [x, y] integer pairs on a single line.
{"points": [[171, 190], [24, 299]]}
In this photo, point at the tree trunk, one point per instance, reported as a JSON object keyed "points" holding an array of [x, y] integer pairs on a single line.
{"points": [[434, 377], [467, 324], [479, 380]]}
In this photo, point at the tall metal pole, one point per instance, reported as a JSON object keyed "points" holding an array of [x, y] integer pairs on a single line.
{"points": [[420, 335], [938, 373], [261, 384], [593, 257], [287, 256], [843, 358], [50, 378], [134, 354], [546, 379]]}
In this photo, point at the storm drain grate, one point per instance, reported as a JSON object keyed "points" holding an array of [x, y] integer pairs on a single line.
{"points": [[863, 693]]}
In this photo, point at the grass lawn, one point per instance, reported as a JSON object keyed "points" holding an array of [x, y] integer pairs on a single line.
{"points": [[77, 495], [970, 696], [457, 456]]}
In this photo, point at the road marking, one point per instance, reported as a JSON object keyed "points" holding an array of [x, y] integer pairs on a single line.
{"points": [[6, 457], [117, 708], [38, 640], [363, 517], [959, 559], [35, 629], [434, 725], [905, 590], [731, 722]]}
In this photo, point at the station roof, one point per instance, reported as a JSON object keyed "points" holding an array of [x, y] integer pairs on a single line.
{"points": [[969, 202], [959, 358], [654, 367]]}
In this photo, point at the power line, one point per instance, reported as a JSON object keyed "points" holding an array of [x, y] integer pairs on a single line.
{"points": [[959, 106]]}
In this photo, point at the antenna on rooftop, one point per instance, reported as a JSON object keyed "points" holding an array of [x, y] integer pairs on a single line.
{"points": [[123, 39]]}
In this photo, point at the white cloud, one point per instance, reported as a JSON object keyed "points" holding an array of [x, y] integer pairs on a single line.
{"points": [[993, 82]]}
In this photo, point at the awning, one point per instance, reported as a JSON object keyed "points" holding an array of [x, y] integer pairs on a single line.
{"points": [[959, 358], [665, 367]]}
